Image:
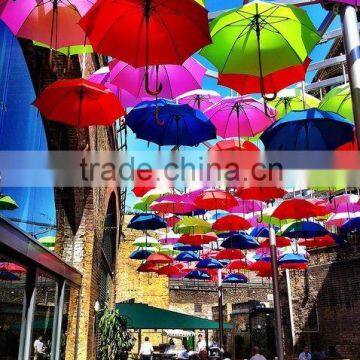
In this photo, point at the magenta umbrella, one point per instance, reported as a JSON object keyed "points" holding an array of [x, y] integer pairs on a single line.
{"points": [[200, 99], [240, 117], [247, 206], [173, 204], [175, 79], [51, 22]]}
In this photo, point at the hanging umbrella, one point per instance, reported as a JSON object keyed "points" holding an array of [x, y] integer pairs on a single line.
{"points": [[8, 276], [304, 229], [260, 265], [144, 181], [240, 241], [198, 275], [271, 84], [150, 32], [147, 268], [209, 264], [199, 99], [176, 204], [170, 270], [12, 267], [54, 22], [339, 219], [156, 193], [293, 100], [168, 250], [235, 279], [7, 203], [175, 79], [189, 225], [185, 247], [198, 239], [239, 117], [146, 222], [297, 209], [237, 265], [229, 254], [321, 241], [172, 220], [215, 200], [247, 206], [234, 145], [292, 258], [141, 254], [79, 102], [231, 223], [351, 225], [259, 39], [261, 193], [281, 241], [164, 122], [48, 241], [146, 241], [157, 258], [169, 238], [311, 129], [187, 256], [339, 100]]}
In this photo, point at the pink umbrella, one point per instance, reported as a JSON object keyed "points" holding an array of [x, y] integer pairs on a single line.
{"points": [[173, 204], [344, 203], [54, 23], [239, 116], [247, 206], [200, 99], [170, 239], [175, 79], [340, 218]]}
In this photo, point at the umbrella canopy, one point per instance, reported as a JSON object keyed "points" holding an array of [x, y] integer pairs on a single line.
{"points": [[351, 225], [198, 239], [237, 265], [175, 79], [339, 100], [141, 254], [321, 241], [169, 238], [146, 241], [260, 265], [172, 220], [239, 116], [54, 23], [157, 258], [339, 219], [311, 129], [69, 50], [247, 206], [48, 241], [231, 223], [177, 204], [12, 267], [293, 100], [79, 102], [229, 254], [187, 256], [164, 122], [170, 270], [280, 242], [305, 230], [240, 241], [7, 203], [189, 225], [246, 40], [235, 279], [198, 275], [209, 264], [147, 268], [234, 145], [261, 193], [292, 258], [199, 99], [215, 200], [185, 247], [150, 32], [297, 209], [147, 222]]}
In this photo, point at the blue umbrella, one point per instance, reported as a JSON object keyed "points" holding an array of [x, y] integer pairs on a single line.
{"points": [[235, 279], [195, 213], [176, 124], [187, 256], [198, 274], [292, 258], [261, 231], [311, 129], [218, 215], [209, 264], [226, 234], [140, 254], [184, 247], [304, 230], [8, 276], [240, 241], [147, 222], [351, 225]]}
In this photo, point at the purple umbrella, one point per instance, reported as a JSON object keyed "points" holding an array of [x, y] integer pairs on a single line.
{"points": [[200, 99], [175, 79], [247, 206], [240, 116]]}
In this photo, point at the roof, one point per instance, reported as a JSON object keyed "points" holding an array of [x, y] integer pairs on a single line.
{"points": [[143, 316]]}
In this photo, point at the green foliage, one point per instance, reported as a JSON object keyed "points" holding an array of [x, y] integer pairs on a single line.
{"points": [[115, 339]]}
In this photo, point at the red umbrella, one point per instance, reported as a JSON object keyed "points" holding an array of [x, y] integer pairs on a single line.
{"points": [[170, 270], [215, 199], [264, 274], [261, 193], [171, 221], [260, 265], [294, 266], [231, 223], [280, 242], [229, 254], [197, 239], [237, 265], [297, 209], [321, 241], [147, 32], [79, 102], [176, 206], [12, 267], [272, 83], [234, 145], [144, 181], [147, 268], [157, 258]]}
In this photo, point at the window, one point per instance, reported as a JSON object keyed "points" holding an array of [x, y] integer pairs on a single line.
{"points": [[198, 308]]}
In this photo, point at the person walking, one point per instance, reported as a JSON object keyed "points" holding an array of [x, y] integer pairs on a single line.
{"points": [[146, 349], [256, 354], [305, 354], [39, 349]]}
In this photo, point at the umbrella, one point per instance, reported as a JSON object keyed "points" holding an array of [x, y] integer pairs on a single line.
{"points": [[176, 204], [169, 238], [141, 254], [311, 129], [198, 239], [147, 222], [172, 220], [339, 100], [305, 230], [239, 116], [215, 199], [271, 84], [261, 193], [185, 247], [292, 258], [69, 50], [164, 122], [150, 32], [229, 254], [247, 206], [259, 39], [199, 99], [146, 241], [291, 100], [234, 145], [231, 223], [54, 23], [79, 102], [12, 267], [280, 242], [7, 203], [240, 241], [187, 256], [237, 265], [339, 219], [189, 225], [209, 264], [8, 276], [175, 79], [147, 268], [235, 279], [198, 275], [351, 225], [321, 241], [156, 193], [170, 270], [297, 209], [157, 258], [260, 265], [48, 241]]}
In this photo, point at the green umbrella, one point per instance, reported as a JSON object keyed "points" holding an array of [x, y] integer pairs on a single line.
{"points": [[48, 241], [169, 250], [291, 100], [146, 241], [7, 203], [260, 38], [69, 50], [141, 206], [338, 100], [190, 225]]}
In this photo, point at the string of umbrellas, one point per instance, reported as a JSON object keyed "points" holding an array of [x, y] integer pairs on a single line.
{"points": [[195, 235], [154, 83]]}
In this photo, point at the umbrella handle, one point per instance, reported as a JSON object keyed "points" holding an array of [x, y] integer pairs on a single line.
{"points": [[259, 221], [159, 88], [156, 115]]}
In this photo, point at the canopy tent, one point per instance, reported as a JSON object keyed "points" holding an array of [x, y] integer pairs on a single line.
{"points": [[142, 316]]}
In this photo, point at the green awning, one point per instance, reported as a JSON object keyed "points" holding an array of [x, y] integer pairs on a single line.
{"points": [[142, 316]]}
